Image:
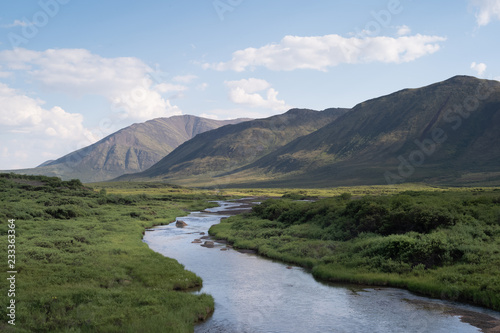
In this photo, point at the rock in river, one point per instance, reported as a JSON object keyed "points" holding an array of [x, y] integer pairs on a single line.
{"points": [[208, 244], [180, 224]]}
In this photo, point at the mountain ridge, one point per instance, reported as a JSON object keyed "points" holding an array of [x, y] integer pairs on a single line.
{"points": [[130, 149], [445, 132], [226, 148], [375, 134]]}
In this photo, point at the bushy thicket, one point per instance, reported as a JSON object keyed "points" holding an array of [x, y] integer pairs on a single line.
{"points": [[422, 212], [420, 240]]}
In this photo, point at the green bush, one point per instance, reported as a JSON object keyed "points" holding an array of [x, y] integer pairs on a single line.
{"points": [[442, 244]]}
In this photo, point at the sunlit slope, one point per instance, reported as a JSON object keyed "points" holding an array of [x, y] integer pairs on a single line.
{"points": [[225, 149], [132, 149], [447, 132]]}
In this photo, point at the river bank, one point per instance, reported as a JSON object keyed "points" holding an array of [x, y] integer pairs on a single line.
{"points": [[81, 265], [254, 294], [470, 277]]}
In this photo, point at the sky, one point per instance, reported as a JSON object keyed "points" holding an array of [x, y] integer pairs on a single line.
{"points": [[74, 71]]}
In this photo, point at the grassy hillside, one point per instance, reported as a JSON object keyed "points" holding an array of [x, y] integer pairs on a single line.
{"points": [[217, 152], [439, 134], [132, 149], [82, 266], [443, 244]]}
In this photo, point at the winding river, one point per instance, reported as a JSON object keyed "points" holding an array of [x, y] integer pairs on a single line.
{"points": [[254, 294]]}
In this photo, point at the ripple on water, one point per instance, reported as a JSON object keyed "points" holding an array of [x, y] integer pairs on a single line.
{"points": [[254, 294]]}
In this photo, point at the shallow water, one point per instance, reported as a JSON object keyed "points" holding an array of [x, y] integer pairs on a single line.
{"points": [[254, 294]]}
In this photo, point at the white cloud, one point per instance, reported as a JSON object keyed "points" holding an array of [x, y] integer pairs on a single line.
{"points": [[202, 87], [4, 74], [322, 52], [224, 114], [17, 23], [209, 116], [403, 30], [169, 87], [246, 92], [480, 68], [125, 81], [30, 129], [185, 78], [488, 10]]}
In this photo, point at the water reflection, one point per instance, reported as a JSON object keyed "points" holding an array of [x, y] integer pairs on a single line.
{"points": [[254, 294]]}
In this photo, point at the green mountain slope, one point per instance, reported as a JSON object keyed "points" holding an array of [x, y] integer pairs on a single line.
{"points": [[132, 149], [220, 151], [447, 132]]}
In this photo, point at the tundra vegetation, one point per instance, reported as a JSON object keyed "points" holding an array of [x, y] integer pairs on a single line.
{"points": [[81, 262], [82, 265], [443, 244]]}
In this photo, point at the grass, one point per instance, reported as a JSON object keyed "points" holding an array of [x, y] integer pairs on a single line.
{"points": [[329, 192], [443, 244], [82, 265], [81, 262]]}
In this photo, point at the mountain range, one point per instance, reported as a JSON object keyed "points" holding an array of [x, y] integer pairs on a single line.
{"points": [[444, 133], [218, 152], [447, 133], [131, 149]]}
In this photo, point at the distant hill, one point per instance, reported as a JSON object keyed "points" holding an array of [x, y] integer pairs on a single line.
{"points": [[447, 133], [444, 133], [221, 151], [132, 149]]}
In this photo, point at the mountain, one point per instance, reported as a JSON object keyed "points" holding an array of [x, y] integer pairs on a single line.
{"points": [[446, 133], [132, 149], [219, 152]]}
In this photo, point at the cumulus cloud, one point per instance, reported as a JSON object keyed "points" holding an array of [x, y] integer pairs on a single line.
{"points": [[322, 52], [480, 68], [30, 129], [403, 30], [125, 81], [247, 92], [487, 11]]}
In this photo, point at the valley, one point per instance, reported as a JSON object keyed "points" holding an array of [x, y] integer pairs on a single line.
{"points": [[445, 133], [400, 191], [82, 264]]}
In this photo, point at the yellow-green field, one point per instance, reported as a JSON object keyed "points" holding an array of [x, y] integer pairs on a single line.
{"points": [[154, 188]]}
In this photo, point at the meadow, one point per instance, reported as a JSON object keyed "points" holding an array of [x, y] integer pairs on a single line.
{"points": [[82, 266], [440, 243], [81, 263]]}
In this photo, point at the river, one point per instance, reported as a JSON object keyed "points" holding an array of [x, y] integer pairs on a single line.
{"points": [[254, 294]]}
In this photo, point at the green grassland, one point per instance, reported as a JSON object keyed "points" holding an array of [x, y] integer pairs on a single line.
{"points": [[443, 244], [81, 262], [82, 265]]}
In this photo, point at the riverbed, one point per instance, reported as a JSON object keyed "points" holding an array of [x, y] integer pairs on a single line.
{"points": [[254, 294]]}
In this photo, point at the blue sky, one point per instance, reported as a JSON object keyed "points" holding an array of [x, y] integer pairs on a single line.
{"points": [[72, 71]]}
